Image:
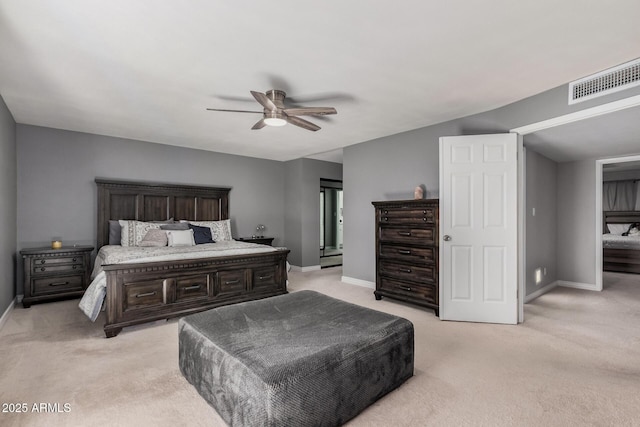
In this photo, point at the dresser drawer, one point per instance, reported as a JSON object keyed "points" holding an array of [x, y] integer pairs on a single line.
{"points": [[423, 274], [408, 235], [232, 281], [426, 293], [409, 254], [408, 216], [194, 287], [57, 284], [143, 294], [47, 261], [264, 277]]}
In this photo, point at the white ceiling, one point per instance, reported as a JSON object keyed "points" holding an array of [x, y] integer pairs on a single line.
{"points": [[148, 69]]}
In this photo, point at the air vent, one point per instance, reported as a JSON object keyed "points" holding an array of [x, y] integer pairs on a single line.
{"points": [[605, 82]]}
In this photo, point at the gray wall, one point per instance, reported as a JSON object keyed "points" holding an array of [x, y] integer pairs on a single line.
{"points": [[302, 213], [576, 221], [390, 167], [57, 193], [8, 195], [541, 229]]}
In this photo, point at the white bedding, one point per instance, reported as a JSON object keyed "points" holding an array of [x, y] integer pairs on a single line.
{"points": [[614, 241], [93, 298]]}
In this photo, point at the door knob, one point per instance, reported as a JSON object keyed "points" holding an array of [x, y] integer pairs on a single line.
{"points": [[446, 237]]}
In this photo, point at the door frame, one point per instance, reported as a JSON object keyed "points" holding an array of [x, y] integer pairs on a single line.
{"points": [[584, 114]]}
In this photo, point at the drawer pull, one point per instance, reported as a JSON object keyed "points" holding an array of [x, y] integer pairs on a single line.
{"points": [[405, 270], [231, 282], [404, 233], [75, 266], [191, 288], [42, 261], [43, 268], [265, 277], [405, 288], [424, 219], [59, 284], [148, 294], [386, 219], [404, 252], [74, 259]]}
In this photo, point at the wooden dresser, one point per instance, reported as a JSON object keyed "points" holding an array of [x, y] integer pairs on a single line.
{"points": [[407, 251], [55, 273]]}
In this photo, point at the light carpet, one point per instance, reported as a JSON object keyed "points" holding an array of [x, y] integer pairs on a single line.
{"points": [[575, 361]]}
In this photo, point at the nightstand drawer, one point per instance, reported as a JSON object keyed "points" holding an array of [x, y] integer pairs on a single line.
{"points": [[57, 268], [56, 284], [45, 262]]}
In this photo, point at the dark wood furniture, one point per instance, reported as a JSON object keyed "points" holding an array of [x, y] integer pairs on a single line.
{"points": [[620, 260], [260, 240], [407, 251], [144, 292], [51, 274]]}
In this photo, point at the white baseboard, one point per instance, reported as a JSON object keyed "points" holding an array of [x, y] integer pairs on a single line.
{"points": [[540, 292], [359, 282], [305, 269], [5, 315], [577, 285]]}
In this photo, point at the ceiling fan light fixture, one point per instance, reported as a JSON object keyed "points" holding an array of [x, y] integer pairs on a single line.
{"points": [[275, 121]]}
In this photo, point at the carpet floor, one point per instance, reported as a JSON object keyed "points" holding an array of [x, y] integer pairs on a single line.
{"points": [[575, 361]]}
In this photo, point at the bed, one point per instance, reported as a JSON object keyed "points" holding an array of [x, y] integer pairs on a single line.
{"points": [[620, 253], [153, 283]]}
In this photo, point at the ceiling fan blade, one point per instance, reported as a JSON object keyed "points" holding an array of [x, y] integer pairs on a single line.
{"points": [[302, 123], [310, 111], [264, 100], [259, 125], [234, 111]]}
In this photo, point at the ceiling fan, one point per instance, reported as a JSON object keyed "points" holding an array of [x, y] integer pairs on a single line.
{"points": [[276, 114]]}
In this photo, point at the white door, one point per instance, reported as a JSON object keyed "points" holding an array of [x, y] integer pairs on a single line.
{"points": [[479, 228]]}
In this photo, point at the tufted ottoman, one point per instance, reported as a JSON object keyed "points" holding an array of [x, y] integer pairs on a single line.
{"points": [[301, 359]]}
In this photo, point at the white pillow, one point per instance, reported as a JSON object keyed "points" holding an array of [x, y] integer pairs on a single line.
{"points": [[180, 238], [133, 232], [220, 230], [618, 228]]}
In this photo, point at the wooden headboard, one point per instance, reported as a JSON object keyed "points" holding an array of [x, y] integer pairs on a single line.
{"points": [[619, 217], [148, 201]]}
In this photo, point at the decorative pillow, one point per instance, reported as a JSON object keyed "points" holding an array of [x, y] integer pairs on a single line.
{"points": [[180, 237], [220, 230], [176, 226], [201, 235], [133, 231], [114, 232], [618, 228], [154, 237]]}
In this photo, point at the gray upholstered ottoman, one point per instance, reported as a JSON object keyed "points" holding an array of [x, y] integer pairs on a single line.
{"points": [[301, 359]]}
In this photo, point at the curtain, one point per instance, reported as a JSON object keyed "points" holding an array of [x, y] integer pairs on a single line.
{"points": [[619, 195]]}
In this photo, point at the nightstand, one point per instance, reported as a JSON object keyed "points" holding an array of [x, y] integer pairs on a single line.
{"points": [[55, 273], [261, 240]]}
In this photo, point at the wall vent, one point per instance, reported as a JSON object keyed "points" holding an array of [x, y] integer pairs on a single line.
{"points": [[605, 82]]}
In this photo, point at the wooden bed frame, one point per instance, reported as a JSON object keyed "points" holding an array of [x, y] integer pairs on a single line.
{"points": [[620, 260], [145, 292]]}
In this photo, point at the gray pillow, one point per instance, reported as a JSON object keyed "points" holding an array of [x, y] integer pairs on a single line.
{"points": [[154, 237], [176, 226], [114, 232]]}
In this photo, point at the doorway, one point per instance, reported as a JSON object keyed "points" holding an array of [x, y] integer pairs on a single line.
{"points": [[331, 223]]}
